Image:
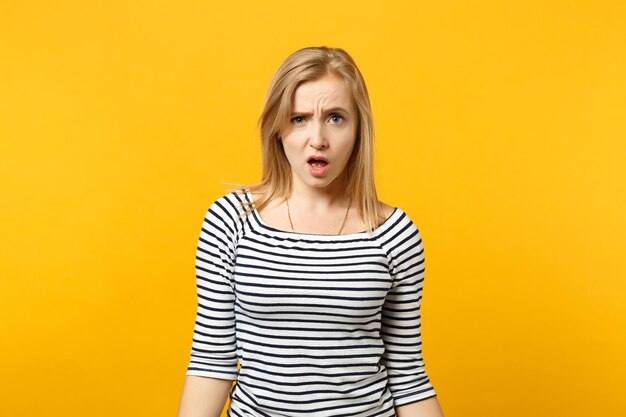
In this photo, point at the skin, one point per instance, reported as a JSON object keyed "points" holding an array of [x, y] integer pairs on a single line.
{"points": [[203, 397], [317, 204], [323, 122], [426, 408]]}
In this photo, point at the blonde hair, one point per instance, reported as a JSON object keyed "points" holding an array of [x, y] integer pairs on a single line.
{"points": [[309, 64]]}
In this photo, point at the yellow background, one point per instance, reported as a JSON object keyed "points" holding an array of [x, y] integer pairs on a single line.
{"points": [[500, 131]]}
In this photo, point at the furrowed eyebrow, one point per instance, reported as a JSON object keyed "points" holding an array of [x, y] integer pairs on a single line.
{"points": [[331, 110]]}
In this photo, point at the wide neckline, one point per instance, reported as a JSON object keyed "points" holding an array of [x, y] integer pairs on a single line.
{"points": [[260, 221]]}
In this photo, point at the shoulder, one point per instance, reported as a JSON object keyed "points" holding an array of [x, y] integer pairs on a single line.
{"points": [[387, 209], [226, 210], [402, 242], [402, 217], [227, 204], [400, 229]]}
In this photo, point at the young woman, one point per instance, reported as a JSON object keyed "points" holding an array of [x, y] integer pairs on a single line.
{"points": [[305, 280]]}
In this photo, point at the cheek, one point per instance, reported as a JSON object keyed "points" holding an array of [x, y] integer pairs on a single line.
{"points": [[290, 152], [350, 143]]}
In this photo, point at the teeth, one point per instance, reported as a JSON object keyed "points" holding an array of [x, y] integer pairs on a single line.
{"points": [[317, 164]]}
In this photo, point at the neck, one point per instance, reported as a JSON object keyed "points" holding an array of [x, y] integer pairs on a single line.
{"points": [[319, 200]]}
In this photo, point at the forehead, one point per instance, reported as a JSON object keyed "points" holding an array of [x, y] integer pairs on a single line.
{"points": [[328, 91]]}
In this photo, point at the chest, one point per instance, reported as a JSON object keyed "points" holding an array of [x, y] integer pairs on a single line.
{"points": [[316, 279]]}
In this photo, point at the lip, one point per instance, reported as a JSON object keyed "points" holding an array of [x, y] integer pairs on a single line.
{"points": [[317, 157]]}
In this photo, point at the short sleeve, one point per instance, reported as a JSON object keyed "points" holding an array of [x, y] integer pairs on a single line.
{"points": [[214, 349], [401, 317]]}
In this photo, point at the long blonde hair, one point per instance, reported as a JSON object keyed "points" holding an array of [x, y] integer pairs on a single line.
{"points": [[309, 64]]}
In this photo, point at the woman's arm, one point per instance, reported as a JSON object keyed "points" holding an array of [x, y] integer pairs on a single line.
{"points": [[414, 395], [213, 358], [401, 317], [203, 396], [426, 408]]}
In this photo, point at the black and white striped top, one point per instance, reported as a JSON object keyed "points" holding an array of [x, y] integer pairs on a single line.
{"points": [[321, 325]]}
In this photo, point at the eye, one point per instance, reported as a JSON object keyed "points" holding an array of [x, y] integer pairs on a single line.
{"points": [[336, 118], [297, 119]]}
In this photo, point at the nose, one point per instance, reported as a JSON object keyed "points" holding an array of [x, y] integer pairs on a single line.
{"points": [[318, 136]]}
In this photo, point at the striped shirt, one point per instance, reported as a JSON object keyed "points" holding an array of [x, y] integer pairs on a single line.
{"points": [[320, 325]]}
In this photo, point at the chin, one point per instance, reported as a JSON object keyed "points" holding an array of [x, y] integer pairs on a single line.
{"points": [[319, 183], [323, 183]]}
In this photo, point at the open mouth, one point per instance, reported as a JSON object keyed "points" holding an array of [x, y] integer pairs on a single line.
{"points": [[317, 163], [318, 166]]}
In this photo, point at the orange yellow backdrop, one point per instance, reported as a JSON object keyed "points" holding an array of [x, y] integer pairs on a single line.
{"points": [[500, 130]]}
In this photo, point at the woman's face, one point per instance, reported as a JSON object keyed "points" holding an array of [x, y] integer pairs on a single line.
{"points": [[323, 125]]}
